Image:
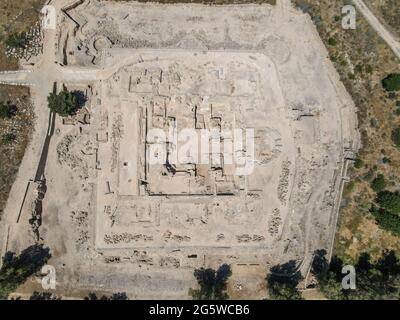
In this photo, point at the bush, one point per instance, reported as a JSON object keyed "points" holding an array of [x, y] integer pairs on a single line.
{"points": [[386, 160], [396, 137], [378, 184], [332, 41], [17, 40], [358, 164], [6, 111], [392, 82], [8, 138]]}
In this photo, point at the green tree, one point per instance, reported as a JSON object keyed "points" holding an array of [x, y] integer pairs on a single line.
{"points": [[16, 269], [389, 200], [387, 220], [66, 103], [396, 137], [212, 283], [392, 82], [18, 40], [378, 184]]}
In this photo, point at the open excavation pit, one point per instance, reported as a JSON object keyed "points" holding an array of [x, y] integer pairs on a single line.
{"points": [[134, 216], [208, 202]]}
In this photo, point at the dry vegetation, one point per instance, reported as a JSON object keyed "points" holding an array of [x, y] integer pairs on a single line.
{"points": [[363, 60], [210, 2], [388, 12], [15, 16]]}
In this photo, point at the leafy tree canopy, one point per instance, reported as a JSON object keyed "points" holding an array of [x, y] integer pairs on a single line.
{"points": [[66, 103], [392, 82], [378, 184], [18, 40], [16, 269]]}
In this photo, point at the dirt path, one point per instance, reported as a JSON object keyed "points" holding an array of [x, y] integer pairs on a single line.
{"points": [[379, 28]]}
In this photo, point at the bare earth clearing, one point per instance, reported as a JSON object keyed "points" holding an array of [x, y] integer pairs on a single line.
{"points": [[114, 221]]}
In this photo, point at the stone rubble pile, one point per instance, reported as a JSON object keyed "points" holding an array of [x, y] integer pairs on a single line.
{"points": [[33, 48]]}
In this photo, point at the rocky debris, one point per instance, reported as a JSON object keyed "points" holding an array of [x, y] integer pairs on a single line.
{"points": [[275, 223], [220, 237], [80, 222], [244, 238], [33, 48], [80, 218], [125, 238], [112, 259], [36, 220], [170, 262], [69, 155], [116, 135], [283, 185], [111, 214], [169, 236], [136, 256]]}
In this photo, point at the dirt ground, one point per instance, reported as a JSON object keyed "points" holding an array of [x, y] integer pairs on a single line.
{"points": [[363, 60], [302, 108], [15, 16], [388, 12]]}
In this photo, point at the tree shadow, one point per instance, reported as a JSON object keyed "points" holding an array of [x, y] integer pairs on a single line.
{"points": [[80, 98], [115, 296], [283, 280], [16, 269], [212, 283]]}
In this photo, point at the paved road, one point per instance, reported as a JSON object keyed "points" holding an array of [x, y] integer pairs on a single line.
{"points": [[379, 28]]}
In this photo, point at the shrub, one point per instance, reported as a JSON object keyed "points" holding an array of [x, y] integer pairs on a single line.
{"points": [[9, 138], [332, 41], [386, 160], [392, 82], [389, 201], [358, 164], [378, 184], [396, 137], [17, 40]]}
